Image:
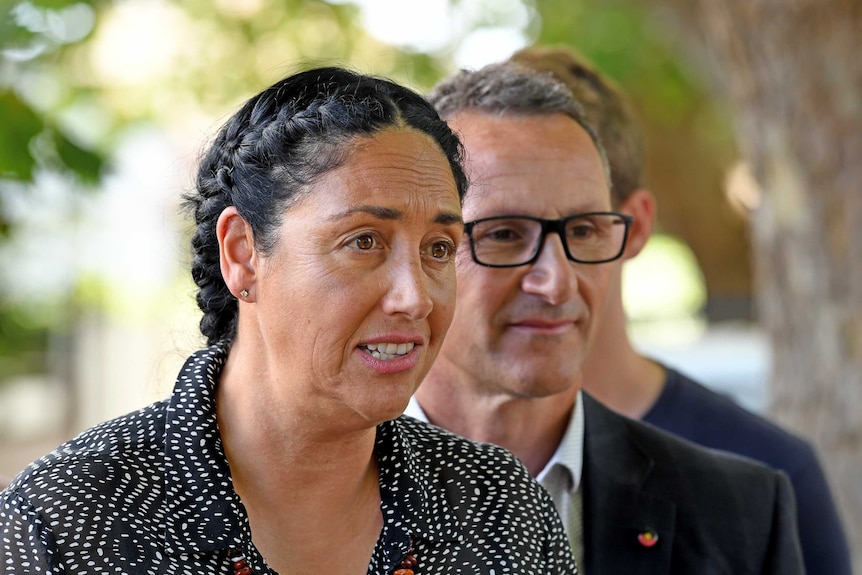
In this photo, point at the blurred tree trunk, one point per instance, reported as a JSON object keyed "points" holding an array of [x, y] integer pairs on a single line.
{"points": [[793, 73], [688, 145]]}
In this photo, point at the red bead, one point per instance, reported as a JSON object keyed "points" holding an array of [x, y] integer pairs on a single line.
{"points": [[648, 538], [408, 563], [244, 571], [239, 564]]}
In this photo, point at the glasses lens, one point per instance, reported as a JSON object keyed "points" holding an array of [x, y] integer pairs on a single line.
{"points": [[505, 241], [596, 237]]}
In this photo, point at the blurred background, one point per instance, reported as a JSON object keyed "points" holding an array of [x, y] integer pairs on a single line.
{"points": [[106, 105]]}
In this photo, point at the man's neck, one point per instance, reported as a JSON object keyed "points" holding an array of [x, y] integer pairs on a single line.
{"points": [[531, 428], [615, 373]]}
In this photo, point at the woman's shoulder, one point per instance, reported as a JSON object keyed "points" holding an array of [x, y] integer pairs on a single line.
{"points": [[486, 488], [436, 447], [125, 449]]}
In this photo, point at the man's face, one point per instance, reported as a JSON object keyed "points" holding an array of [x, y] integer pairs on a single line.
{"points": [[524, 331]]}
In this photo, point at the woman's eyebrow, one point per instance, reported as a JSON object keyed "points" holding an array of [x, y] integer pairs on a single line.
{"points": [[448, 218], [376, 211], [445, 218]]}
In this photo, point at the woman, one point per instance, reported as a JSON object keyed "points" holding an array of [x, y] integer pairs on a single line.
{"points": [[328, 215]]}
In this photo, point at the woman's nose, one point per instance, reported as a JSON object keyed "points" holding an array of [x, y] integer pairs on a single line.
{"points": [[408, 293]]}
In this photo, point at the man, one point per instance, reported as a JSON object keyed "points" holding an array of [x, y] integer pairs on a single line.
{"points": [[636, 386], [533, 275]]}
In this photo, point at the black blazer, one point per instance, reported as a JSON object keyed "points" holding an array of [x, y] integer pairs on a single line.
{"points": [[713, 513]]}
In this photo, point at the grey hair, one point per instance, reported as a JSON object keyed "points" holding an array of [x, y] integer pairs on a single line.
{"points": [[606, 107], [508, 88]]}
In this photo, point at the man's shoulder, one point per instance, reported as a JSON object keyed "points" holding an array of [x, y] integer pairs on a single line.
{"points": [[716, 507], [701, 483], [670, 455], [693, 411]]}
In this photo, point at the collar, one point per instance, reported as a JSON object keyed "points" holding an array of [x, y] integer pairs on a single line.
{"points": [[409, 487], [203, 513], [202, 510], [570, 452], [415, 410]]}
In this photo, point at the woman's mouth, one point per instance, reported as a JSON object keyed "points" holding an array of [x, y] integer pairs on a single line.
{"points": [[387, 351]]}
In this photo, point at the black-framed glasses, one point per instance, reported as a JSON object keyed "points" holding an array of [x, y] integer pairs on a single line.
{"points": [[510, 241]]}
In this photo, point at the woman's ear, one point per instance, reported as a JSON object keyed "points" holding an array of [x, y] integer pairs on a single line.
{"points": [[237, 255], [641, 205]]}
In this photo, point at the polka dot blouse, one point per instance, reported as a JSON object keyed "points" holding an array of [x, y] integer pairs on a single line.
{"points": [[151, 492]]}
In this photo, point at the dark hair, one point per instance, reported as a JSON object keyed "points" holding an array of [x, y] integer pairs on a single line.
{"points": [[265, 158], [510, 88], [606, 108]]}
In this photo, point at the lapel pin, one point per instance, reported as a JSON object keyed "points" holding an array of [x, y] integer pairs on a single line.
{"points": [[648, 538]]}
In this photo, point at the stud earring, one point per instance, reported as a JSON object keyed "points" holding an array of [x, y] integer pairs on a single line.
{"points": [[243, 294]]}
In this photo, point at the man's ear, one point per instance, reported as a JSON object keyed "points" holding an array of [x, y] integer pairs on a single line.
{"points": [[641, 205], [237, 256]]}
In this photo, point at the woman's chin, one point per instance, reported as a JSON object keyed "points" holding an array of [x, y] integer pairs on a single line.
{"points": [[386, 409]]}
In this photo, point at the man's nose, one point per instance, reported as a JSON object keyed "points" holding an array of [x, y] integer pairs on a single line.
{"points": [[552, 275]]}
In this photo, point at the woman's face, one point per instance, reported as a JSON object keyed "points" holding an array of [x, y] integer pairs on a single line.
{"points": [[355, 298]]}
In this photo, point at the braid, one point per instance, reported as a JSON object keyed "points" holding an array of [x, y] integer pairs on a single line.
{"points": [[214, 183], [267, 156]]}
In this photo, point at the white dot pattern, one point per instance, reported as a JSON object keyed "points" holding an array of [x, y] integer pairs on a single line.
{"points": [[151, 493]]}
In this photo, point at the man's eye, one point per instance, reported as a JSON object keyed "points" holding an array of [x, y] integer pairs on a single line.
{"points": [[501, 235], [365, 242], [581, 232]]}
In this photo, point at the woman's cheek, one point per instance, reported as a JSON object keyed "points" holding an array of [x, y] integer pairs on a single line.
{"points": [[444, 302]]}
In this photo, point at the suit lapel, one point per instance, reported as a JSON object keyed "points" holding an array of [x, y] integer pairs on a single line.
{"points": [[618, 511]]}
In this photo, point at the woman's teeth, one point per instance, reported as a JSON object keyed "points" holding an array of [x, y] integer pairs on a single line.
{"points": [[386, 351]]}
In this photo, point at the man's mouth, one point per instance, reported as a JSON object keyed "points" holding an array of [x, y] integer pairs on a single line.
{"points": [[384, 351]]}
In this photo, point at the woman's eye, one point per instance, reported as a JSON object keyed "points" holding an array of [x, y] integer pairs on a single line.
{"points": [[365, 242], [442, 250]]}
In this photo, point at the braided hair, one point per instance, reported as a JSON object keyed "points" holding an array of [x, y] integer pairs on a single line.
{"points": [[266, 157]]}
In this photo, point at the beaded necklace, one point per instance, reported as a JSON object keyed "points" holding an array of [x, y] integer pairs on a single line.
{"points": [[241, 566]]}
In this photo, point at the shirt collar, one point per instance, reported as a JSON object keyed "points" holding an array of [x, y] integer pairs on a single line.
{"points": [[415, 410], [203, 512], [570, 451], [409, 491]]}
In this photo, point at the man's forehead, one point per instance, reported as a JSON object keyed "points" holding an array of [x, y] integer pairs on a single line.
{"points": [[498, 142], [472, 123], [485, 201]]}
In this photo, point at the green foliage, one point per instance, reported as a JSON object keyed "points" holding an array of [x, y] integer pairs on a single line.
{"points": [[86, 164], [27, 142], [53, 4], [23, 341], [12, 35], [31, 137], [623, 38], [20, 126]]}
